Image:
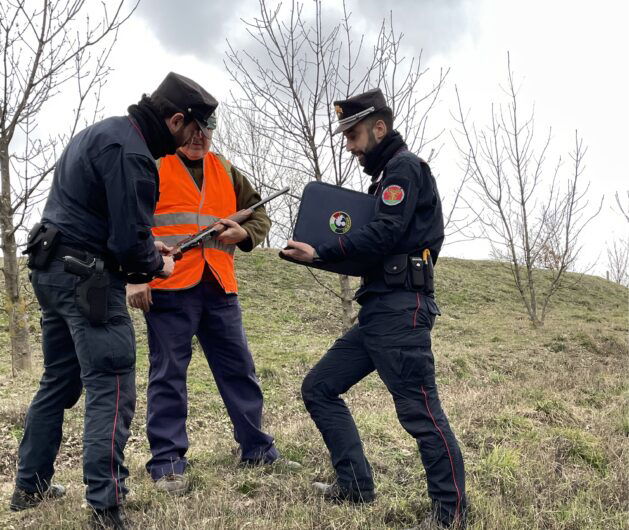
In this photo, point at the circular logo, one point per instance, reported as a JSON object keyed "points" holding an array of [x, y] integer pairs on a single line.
{"points": [[393, 195], [340, 222]]}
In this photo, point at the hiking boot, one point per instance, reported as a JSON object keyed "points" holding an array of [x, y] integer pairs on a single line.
{"points": [[108, 518], [431, 522], [284, 464], [280, 464], [22, 499], [335, 493], [428, 523], [173, 483]]}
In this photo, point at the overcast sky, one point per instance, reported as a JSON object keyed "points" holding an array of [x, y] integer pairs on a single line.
{"points": [[571, 56]]}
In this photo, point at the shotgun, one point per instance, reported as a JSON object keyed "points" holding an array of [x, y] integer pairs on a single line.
{"points": [[216, 228]]}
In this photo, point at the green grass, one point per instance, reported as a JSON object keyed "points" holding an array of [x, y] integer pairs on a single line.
{"points": [[542, 415]]}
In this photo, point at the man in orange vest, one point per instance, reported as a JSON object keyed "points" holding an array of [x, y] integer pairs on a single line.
{"points": [[197, 188]]}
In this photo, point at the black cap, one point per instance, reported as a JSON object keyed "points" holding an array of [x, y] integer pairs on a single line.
{"points": [[188, 97], [350, 111]]}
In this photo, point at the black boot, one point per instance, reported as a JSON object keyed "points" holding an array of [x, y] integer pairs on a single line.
{"points": [[22, 499], [108, 518], [335, 493]]}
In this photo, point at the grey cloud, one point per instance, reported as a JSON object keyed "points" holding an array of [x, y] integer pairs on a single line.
{"points": [[195, 27], [199, 27], [432, 25]]}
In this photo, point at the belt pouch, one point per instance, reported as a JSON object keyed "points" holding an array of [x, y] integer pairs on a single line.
{"points": [[429, 276], [395, 270], [92, 293], [40, 245], [417, 273]]}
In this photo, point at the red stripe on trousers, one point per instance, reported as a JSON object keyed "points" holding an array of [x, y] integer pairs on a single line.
{"points": [[113, 437], [416, 311], [458, 492]]}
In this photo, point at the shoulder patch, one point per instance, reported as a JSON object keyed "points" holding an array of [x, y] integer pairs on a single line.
{"points": [[393, 195]]}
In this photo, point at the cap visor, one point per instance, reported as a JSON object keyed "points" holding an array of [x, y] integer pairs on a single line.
{"points": [[203, 128], [346, 126]]}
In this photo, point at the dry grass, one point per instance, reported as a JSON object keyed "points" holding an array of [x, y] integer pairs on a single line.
{"points": [[541, 415]]}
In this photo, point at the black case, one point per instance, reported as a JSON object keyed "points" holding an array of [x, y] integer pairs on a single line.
{"points": [[319, 203]]}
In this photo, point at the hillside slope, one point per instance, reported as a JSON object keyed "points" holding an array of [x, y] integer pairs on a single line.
{"points": [[541, 414]]}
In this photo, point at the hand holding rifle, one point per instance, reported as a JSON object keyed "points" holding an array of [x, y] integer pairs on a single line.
{"points": [[227, 230], [232, 233]]}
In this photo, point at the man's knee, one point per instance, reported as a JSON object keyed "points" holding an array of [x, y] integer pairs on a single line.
{"points": [[58, 391], [307, 388], [73, 394], [314, 389]]}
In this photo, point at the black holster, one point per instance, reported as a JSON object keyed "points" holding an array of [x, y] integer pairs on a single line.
{"points": [[428, 276], [40, 245], [92, 291]]}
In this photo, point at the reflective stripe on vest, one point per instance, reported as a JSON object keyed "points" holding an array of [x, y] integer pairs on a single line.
{"points": [[183, 210]]}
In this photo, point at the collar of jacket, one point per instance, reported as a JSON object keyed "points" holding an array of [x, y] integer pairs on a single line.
{"points": [[377, 158], [154, 130]]}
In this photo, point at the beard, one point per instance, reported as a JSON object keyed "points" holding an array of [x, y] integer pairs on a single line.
{"points": [[371, 143]]}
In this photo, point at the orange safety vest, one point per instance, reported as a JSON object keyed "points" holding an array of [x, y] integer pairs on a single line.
{"points": [[183, 210]]}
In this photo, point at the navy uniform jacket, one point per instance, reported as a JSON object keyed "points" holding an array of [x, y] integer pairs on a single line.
{"points": [[408, 218], [104, 193]]}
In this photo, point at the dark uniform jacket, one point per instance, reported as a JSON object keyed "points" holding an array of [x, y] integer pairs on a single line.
{"points": [[405, 226], [104, 193]]}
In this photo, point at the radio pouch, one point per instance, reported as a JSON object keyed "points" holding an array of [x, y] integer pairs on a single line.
{"points": [[395, 270], [417, 273], [40, 245]]}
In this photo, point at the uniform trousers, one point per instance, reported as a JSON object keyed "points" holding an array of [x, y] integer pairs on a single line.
{"points": [[77, 355], [392, 337], [215, 318]]}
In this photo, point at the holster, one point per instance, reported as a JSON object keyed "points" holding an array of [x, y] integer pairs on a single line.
{"points": [[92, 294], [429, 276], [40, 245]]}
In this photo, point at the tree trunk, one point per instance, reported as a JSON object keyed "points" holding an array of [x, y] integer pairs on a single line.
{"points": [[346, 302], [14, 302]]}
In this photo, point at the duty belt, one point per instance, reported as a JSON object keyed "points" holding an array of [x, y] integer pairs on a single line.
{"points": [[65, 250], [406, 271], [377, 273]]}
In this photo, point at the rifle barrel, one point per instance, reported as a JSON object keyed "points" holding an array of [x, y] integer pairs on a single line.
{"points": [[270, 198]]}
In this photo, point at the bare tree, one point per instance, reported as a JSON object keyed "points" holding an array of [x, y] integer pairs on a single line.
{"points": [[529, 218], [238, 136], [623, 208], [298, 64], [46, 47], [618, 252], [618, 261]]}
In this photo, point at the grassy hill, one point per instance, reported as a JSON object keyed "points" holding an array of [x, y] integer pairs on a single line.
{"points": [[541, 414]]}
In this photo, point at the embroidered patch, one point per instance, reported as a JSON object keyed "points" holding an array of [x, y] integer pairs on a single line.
{"points": [[393, 195], [340, 222], [339, 111]]}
